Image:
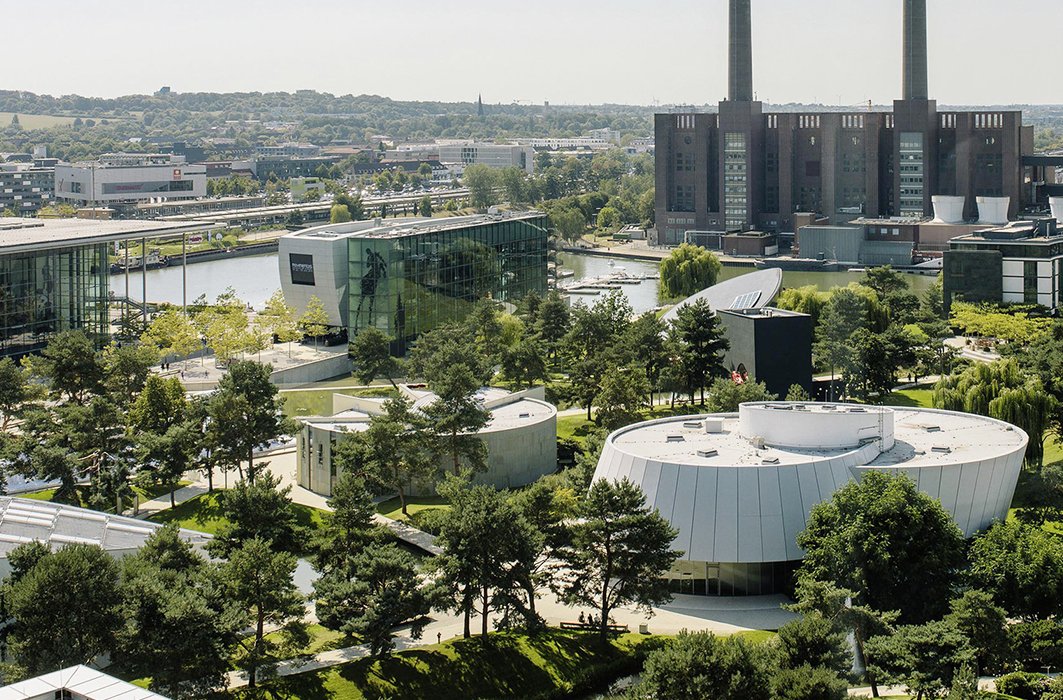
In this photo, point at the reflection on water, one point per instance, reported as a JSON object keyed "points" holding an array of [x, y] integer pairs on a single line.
{"points": [[256, 278]]}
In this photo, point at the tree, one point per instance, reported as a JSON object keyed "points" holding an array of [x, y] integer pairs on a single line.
{"points": [[797, 393], [687, 271], [348, 528], [279, 317], [15, 392], [160, 404], [725, 395], [618, 548], [871, 372], [609, 219], [126, 370], [167, 456], [809, 683], [645, 340], [371, 353], [425, 206], [569, 222], [382, 592], [622, 397], [1037, 643], [66, 609], [260, 581], [179, 630], [172, 333], [1001, 390], [985, 626], [482, 183], [70, 366], [546, 507], [553, 321], [806, 300], [844, 314], [258, 510], [923, 657], [524, 363], [701, 665], [339, 214], [1021, 567], [315, 321], [485, 542], [513, 185], [701, 343], [894, 546], [247, 411], [392, 451], [814, 641]]}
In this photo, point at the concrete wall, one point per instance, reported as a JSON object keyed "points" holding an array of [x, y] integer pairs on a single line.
{"points": [[328, 367]]}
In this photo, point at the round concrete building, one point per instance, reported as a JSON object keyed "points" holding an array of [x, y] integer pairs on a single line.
{"points": [[739, 487]]}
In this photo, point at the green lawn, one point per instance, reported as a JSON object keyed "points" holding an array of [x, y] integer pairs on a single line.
{"points": [[912, 398], [509, 665], [38, 121], [204, 514], [144, 494], [317, 401]]}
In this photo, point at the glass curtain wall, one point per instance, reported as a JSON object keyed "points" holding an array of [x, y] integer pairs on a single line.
{"points": [[44, 293], [408, 284]]}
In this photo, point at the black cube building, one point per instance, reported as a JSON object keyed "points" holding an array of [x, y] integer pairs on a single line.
{"points": [[743, 168], [771, 346]]}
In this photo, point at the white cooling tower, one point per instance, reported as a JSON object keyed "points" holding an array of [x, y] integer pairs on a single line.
{"points": [[1057, 208], [948, 209], [993, 210]]}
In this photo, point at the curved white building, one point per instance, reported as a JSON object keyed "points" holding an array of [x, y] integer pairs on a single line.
{"points": [[739, 487], [521, 436]]}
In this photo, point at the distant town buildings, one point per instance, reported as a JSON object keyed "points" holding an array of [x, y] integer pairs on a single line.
{"points": [[26, 187]]}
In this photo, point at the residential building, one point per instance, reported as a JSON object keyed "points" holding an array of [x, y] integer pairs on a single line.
{"points": [[745, 167], [26, 187], [739, 487]]}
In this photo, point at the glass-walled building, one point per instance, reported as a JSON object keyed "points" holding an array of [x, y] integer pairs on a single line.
{"points": [[407, 278], [55, 276]]}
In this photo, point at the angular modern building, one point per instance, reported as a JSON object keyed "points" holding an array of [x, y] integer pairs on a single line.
{"points": [[739, 487], [408, 276], [747, 168], [120, 180]]}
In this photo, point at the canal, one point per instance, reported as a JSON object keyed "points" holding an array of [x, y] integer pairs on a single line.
{"points": [[256, 278]]}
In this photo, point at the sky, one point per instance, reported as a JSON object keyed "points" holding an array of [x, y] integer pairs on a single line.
{"points": [[839, 52]]}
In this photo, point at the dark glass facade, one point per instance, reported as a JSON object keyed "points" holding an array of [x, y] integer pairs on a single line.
{"points": [[406, 284], [45, 292], [708, 578]]}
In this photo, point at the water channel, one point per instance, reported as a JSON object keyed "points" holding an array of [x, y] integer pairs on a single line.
{"points": [[255, 278]]}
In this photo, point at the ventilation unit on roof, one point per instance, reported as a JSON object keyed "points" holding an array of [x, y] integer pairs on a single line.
{"points": [[857, 410], [758, 442], [708, 453], [941, 449], [524, 415], [676, 438], [714, 425], [933, 428], [771, 460], [696, 425]]}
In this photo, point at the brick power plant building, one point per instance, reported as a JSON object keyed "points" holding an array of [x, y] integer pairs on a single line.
{"points": [[744, 168]]}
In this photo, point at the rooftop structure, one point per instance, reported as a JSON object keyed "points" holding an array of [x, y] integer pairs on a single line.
{"points": [[739, 487], [754, 290], [521, 436], [24, 520], [76, 683], [18, 235]]}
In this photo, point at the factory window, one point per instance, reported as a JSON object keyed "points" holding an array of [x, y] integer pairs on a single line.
{"points": [[736, 199]]}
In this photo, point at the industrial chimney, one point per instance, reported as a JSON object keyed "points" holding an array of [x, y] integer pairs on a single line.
{"points": [[915, 60], [740, 57]]}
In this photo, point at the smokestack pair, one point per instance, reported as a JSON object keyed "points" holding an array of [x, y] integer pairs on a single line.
{"points": [[740, 54]]}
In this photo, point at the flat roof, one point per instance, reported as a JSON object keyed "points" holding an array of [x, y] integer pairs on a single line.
{"points": [[24, 520], [922, 438], [26, 235], [400, 228]]}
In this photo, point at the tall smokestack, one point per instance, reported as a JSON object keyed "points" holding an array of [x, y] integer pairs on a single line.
{"points": [[740, 57], [915, 61]]}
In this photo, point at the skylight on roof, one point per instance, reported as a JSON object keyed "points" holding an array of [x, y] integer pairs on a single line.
{"points": [[746, 301]]}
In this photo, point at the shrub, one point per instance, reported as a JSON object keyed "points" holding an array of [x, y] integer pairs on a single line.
{"points": [[1028, 686]]}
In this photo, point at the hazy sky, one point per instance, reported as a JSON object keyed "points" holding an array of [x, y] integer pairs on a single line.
{"points": [[565, 51]]}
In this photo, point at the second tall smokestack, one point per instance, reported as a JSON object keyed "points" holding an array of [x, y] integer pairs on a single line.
{"points": [[915, 60], [740, 55]]}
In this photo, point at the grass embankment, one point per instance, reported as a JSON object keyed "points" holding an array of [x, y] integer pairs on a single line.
{"points": [[143, 494], [204, 514], [317, 401], [550, 664]]}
